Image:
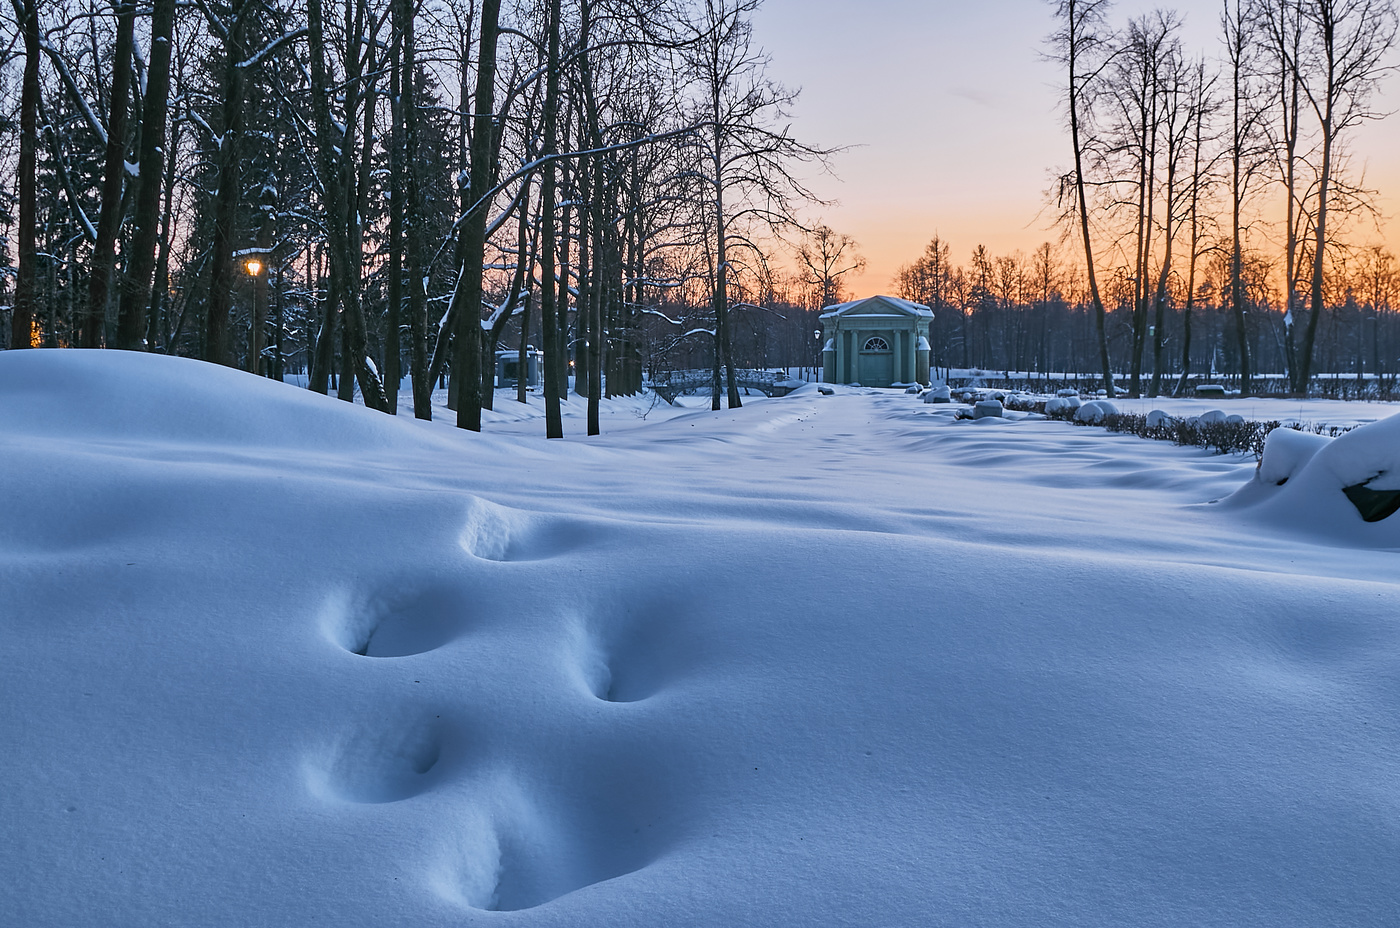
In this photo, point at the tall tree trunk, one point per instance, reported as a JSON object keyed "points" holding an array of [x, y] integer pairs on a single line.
{"points": [[721, 285], [553, 387], [157, 323], [1075, 10], [334, 162], [471, 236], [22, 319], [109, 218], [1236, 36], [217, 347], [136, 286], [1305, 352], [397, 208], [413, 219], [584, 179]]}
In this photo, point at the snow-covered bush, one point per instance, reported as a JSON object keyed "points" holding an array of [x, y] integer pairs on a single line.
{"points": [[1094, 412], [939, 394], [987, 409], [1285, 453], [1157, 419]]}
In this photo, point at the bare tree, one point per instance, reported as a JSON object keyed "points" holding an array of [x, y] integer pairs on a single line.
{"points": [[1203, 166], [1283, 38], [745, 158], [825, 257], [1139, 85], [1247, 155], [341, 188], [1080, 45], [92, 330], [136, 285], [1348, 41]]}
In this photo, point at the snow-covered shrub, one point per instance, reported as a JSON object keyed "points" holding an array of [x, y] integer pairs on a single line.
{"points": [[1157, 419], [939, 394], [1023, 402], [1285, 453], [1094, 412], [987, 409], [1063, 407]]}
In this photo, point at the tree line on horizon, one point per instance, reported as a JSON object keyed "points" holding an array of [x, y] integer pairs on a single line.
{"points": [[1218, 185], [1032, 317], [359, 191]]}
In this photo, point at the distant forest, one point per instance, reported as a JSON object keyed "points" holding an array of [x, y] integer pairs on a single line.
{"points": [[359, 191], [1216, 220]]}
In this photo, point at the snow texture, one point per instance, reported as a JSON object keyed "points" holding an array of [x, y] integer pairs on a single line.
{"points": [[274, 659]]}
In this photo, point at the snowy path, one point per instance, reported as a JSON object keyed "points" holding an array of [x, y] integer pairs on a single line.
{"points": [[271, 659]]}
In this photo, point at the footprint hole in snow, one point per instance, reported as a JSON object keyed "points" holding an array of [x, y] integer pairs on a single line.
{"points": [[387, 760], [520, 857], [631, 657], [400, 620], [497, 533]]}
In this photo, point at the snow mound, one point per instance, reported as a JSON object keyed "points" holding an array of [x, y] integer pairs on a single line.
{"points": [[129, 396], [1346, 489]]}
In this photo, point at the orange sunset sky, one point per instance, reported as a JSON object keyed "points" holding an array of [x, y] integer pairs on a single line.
{"points": [[952, 115]]}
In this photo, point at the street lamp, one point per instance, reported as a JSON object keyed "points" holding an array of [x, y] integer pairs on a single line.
{"points": [[254, 267]]}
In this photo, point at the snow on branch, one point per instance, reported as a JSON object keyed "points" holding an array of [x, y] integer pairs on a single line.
{"points": [[271, 47], [61, 64], [660, 315]]}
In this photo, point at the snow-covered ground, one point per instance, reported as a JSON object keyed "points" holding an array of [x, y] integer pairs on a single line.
{"points": [[272, 659]]}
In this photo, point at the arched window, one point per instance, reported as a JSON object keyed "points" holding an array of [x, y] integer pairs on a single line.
{"points": [[876, 344]]}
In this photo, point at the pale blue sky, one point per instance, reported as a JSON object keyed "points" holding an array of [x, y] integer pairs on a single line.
{"points": [[954, 116]]}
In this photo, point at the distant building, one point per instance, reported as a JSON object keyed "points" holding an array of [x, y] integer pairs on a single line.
{"points": [[508, 367], [876, 342]]}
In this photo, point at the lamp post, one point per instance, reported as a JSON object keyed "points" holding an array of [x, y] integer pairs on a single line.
{"points": [[254, 266]]}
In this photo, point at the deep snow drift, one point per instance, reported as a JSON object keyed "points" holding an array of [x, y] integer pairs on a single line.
{"points": [[271, 659]]}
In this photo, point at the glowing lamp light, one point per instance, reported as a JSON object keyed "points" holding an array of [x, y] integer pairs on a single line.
{"points": [[254, 267]]}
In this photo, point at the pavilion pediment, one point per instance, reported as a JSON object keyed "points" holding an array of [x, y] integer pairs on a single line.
{"points": [[877, 307]]}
